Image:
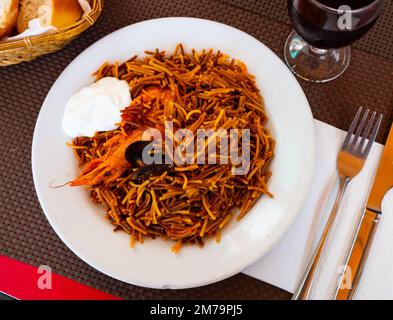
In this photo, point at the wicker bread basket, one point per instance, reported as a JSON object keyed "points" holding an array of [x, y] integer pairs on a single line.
{"points": [[29, 48]]}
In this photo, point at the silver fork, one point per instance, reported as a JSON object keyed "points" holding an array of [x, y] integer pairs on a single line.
{"points": [[350, 162]]}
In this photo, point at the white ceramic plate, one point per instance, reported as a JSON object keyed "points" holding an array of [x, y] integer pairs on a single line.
{"points": [[80, 223]]}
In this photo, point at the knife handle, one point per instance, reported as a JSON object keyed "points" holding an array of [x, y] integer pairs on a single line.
{"points": [[358, 254]]}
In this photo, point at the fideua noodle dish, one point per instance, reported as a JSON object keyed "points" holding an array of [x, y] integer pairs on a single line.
{"points": [[172, 145]]}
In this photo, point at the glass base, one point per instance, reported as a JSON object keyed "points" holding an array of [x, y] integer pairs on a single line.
{"points": [[313, 64]]}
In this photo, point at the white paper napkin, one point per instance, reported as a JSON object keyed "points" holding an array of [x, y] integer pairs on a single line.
{"points": [[284, 265]]}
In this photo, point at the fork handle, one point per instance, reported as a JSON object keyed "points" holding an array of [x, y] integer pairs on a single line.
{"points": [[306, 284]]}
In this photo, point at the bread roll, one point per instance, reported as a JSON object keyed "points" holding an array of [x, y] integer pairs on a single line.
{"points": [[58, 13], [8, 16]]}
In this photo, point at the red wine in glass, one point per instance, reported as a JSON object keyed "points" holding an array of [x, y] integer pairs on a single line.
{"points": [[320, 28], [319, 51]]}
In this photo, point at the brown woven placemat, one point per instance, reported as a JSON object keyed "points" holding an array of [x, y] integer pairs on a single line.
{"points": [[24, 231]]}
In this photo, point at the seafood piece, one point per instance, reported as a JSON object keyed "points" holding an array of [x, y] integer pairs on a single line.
{"points": [[145, 96], [151, 93], [110, 166]]}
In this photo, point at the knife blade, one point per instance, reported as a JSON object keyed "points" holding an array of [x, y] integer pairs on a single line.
{"points": [[367, 227], [384, 178]]}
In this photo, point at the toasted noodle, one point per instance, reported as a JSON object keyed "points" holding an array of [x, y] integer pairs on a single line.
{"points": [[188, 203]]}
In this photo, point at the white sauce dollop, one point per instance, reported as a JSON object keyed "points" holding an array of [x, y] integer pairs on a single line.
{"points": [[96, 107]]}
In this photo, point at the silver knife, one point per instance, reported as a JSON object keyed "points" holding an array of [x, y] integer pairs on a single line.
{"points": [[356, 260]]}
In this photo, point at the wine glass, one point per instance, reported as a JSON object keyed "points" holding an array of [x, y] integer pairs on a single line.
{"points": [[319, 49]]}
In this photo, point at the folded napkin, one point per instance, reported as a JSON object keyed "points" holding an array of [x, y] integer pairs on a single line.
{"points": [[284, 264]]}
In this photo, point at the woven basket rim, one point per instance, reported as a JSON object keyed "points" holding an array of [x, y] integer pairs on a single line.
{"points": [[84, 23]]}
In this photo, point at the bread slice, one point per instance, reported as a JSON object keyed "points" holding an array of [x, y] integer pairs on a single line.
{"points": [[8, 16], [58, 13]]}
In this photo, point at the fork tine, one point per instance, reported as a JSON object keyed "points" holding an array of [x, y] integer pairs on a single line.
{"points": [[354, 143], [351, 129], [366, 133], [373, 136]]}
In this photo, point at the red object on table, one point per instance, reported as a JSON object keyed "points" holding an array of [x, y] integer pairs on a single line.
{"points": [[23, 281]]}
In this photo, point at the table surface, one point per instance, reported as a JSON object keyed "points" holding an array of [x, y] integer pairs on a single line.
{"points": [[25, 233]]}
